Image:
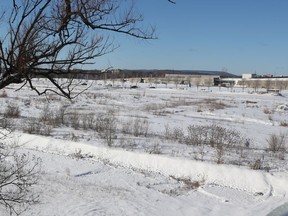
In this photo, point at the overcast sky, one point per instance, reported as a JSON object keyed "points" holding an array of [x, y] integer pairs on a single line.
{"points": [[240, 36]]}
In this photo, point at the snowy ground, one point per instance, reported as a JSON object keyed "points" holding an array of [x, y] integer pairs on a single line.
{"points": [[148, 173]]}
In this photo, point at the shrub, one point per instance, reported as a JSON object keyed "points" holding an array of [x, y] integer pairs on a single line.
{"points": [[126, 127], [216, 136], [91, 120], [156, 149], [60, 115], [220, 152], [50, 117], [46, 129], [167, 132], [6, 124], [79, 155], [46, 114], [12, 111], [196, 135], [106, 125], [175, 134], [277, 144], [140, 127], [189, 184], [137, 127], [178, 134], [256, 165], [75, 120], [32, 126]]}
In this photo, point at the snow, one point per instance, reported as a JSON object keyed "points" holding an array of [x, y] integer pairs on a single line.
{"points": [[126, 179], [223, 175]]}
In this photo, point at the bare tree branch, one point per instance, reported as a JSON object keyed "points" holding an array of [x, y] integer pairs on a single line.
{"points": [[173, 2], [18, 172], [49, 38]]}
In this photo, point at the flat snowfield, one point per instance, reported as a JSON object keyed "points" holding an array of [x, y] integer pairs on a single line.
{"points": [[120, 151]]}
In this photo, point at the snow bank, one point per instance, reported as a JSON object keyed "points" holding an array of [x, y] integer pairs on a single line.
{"points": [[224, 175]]}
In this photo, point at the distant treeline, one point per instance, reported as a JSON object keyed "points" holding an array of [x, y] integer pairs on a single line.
{"points": [[125, 73]]}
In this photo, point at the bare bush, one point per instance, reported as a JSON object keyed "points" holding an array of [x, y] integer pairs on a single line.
{"points": [[84, 118], [106, 125], [201, 151], [196, 135], [156, 149], [189, 184], [215, 136], [174, 134], [167, 132], [18, 175], [74, 137], [46, 129], [256, 165], [32, 126], [91, 120], [6, 123], [50, 116], [277, 144], [218, 136], [12, 111], [46, 114], [79, 155], [126, 127], [140, 127], [75, 120], [220, 152], [61, 113], [137, 127], [178, 134]]}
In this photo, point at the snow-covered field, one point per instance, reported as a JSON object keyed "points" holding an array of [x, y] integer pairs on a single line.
{"points": [[122, 151]]}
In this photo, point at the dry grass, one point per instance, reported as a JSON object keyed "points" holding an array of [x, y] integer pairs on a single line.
{"points": [[211, 104], [3, 94], [189, 184]]}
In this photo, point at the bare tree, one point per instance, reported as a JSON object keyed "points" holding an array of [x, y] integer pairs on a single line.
{"points": [[209, 83], [176, 81], [198, 82], [268, 84], [243, 83], [50, 38], [167, 80], [255, 84], [283, 84], [18, 175]]}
